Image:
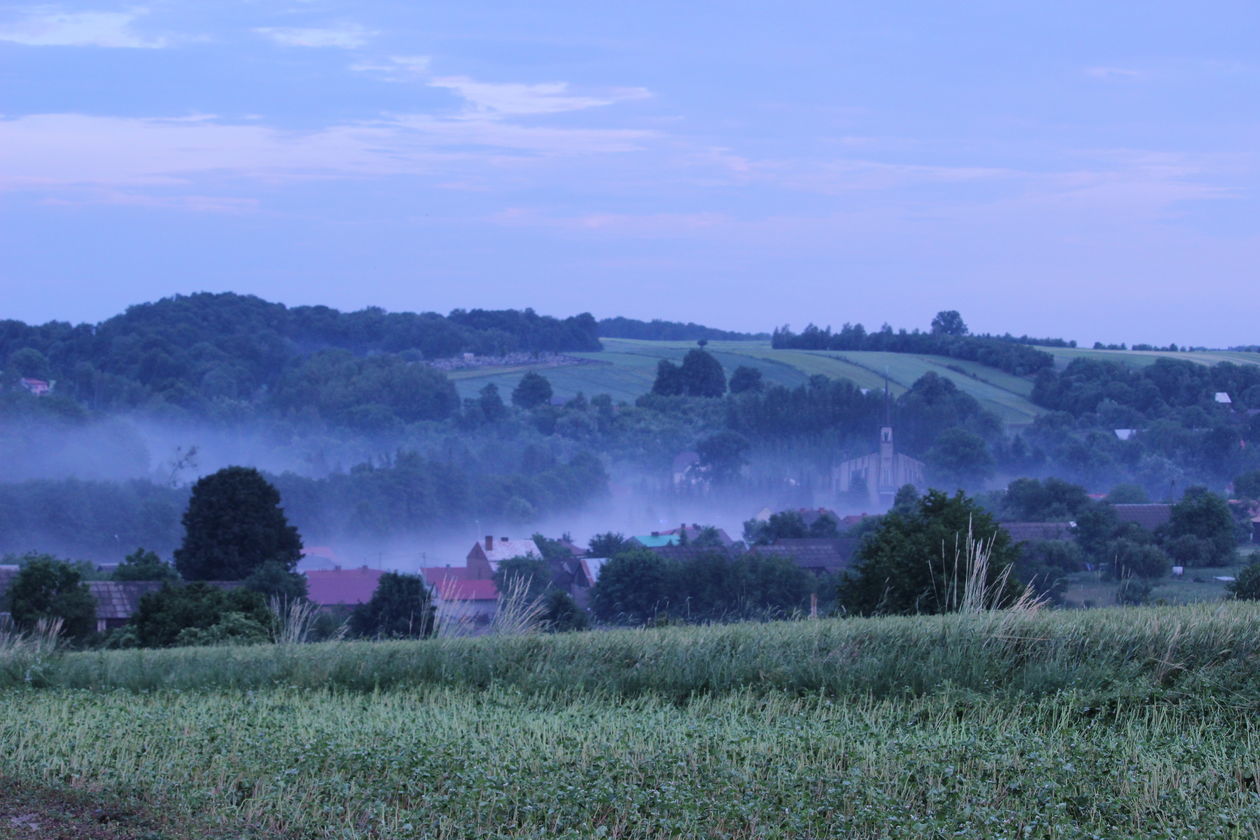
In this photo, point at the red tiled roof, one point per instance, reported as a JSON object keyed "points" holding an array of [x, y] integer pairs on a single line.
{"points": [[342, 586], [450, 589]]}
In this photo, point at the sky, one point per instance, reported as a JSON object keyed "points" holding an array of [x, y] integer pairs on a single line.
{"points": [[1078, 169]]}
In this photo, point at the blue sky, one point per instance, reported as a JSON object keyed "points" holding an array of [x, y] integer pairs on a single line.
{"points": [[1065, 168]]}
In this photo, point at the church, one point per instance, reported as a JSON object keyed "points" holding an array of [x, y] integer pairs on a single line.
{"points": [[881, 473]]}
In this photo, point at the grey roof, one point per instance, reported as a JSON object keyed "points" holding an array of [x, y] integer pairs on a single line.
{"points": [[1149, 517], [689, 552], [119, 599], [818, 555], [1037, 531]]}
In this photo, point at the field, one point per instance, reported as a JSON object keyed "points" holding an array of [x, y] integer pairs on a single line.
{"points": [[1103, 723], [627, 367]]}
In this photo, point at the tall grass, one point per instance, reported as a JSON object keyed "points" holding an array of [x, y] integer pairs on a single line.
{"points": [[993, 651], [29, 658]]}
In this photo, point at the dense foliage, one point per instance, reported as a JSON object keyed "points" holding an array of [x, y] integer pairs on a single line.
{"points": [[234, 525], [919, 560], [400, 608], [640, 586], [658, 330], [48, 589], [203, 347], [1004, 353]]}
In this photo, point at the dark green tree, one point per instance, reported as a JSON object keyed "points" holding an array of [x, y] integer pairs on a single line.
{"points": [[1127, 558], [492, 407], [529, 575], [1246, 586], [746, 379], [166, 617], [48, 588], [532, 391], [233, 525], [144, 565], [958, 459], [1205, 515], [633, 588], [949, 322], [669, 379], [914, 560], [1247, 485], [561, 614], [273, 580], [608, 544], [723, 454], [400, 608], [702, 375], [785, 525]]}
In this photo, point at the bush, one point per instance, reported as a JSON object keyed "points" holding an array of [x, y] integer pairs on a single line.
{"points": [[1127, 558], [164, 615], [48, 588], [1133, 592], [1246, 586], [400, 608]]}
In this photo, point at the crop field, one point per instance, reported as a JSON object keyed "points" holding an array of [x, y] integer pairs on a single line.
{"points": [[1142, 358], [1097, 724], [626, 369]]}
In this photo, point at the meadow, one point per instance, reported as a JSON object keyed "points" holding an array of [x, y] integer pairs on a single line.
{"points": [[626, 369], [1137, 722]]}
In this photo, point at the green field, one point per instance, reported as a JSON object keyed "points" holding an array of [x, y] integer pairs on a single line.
{"points": [[1142, 358], [1089, 724], [626, 369]]}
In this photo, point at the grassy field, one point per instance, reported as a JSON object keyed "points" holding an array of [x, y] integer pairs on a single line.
{"points": [[626, 369], [1096, 724], [1142, 358]]}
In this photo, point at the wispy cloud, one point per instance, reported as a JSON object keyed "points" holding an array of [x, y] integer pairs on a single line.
{"points": [[493, 99], [1115, 73], [395, 68], [344, 36], [190, 203], [50, 151], [42, 27]]}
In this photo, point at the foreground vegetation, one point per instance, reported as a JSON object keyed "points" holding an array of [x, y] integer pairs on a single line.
{"points": [[1109, 723]]}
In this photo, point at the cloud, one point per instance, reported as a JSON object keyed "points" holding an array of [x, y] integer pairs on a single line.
{"points": [[1121, 73], [346, 36], [493, 99], [45, 28], [51, 151], [396, 68], [190, 203]]}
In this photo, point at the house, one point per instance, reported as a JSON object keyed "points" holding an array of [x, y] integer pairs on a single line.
{"points": [[882, 473], [484, 557], [318, 557], [680, 535], [588, 569], [38, 387], [1222, 398], [1149, 517], [118, 600], [335, 588], [1125, 434], [820, 556], [1022, 532], [464, 601]]}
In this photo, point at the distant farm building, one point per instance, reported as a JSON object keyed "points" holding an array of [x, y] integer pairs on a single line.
{"points": [[345, 588], [484, 557], [819, 556]]}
